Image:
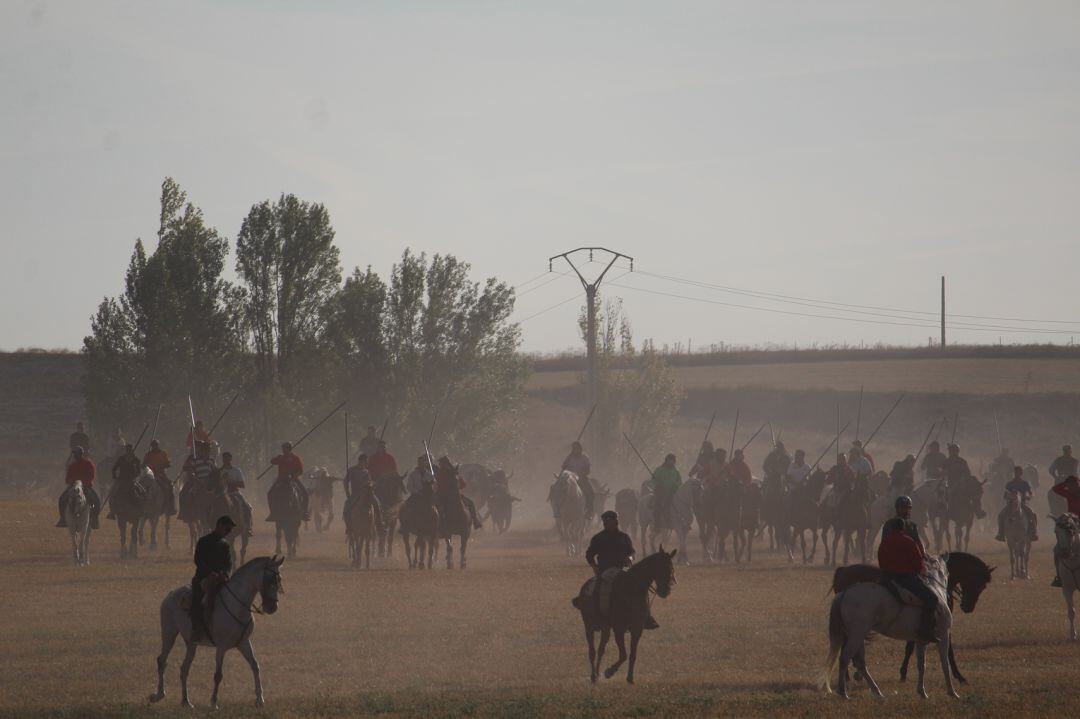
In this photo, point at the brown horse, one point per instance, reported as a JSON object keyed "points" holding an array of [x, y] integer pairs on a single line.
{"points": [[749, 520], [802, 513], [850, 520], [128, 501], [722, 509], [361, 526], [390, 489], [420, 519], [628, 611], [454, 520], [965, 506], [968, 577]]}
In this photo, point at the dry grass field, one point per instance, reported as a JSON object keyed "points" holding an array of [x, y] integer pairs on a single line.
{"points": [[499, 639], [973, 376]]}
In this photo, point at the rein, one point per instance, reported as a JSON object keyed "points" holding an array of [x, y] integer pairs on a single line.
{"points": [[250, 606]]}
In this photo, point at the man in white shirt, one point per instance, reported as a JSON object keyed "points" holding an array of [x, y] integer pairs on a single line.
{"points": [[798, 470], [418, 475], [233, 479]]}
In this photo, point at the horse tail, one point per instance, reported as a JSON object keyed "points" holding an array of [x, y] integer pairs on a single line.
{"points": [[836, 642]]}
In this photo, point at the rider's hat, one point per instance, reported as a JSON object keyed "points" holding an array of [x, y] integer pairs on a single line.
{"points": [[903, 501], [610, 514]]}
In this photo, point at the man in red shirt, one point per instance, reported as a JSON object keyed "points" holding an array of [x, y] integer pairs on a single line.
{"points": [[900, 557], [739, 470], [1070, 490], [81, 469], [290, 467], [382, 463]]}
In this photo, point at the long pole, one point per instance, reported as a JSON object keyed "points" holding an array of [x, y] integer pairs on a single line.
{"points": [[955, 424], [308, 434], [885, 418], [224, 412], [427, 453], [643, 462], [941, 426], [382, 432], [191, 412], [734, 432], [752, 437], [858, 416], [347, 442], [827, 448], [997, 428], [141, 434], [838, 428], [708, 430], [586, 425], [157, 417], [943, 313], [919, 453]]}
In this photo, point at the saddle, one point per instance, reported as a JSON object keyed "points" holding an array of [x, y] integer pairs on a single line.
{"points": [[900, 594], [605, 585]]}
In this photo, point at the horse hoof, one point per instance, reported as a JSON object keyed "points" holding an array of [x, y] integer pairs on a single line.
{"points": [[186, 705], [954, 695], [155, 698], [629, 680], [259, 703]]}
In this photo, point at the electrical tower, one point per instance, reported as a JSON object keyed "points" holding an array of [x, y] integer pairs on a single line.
{"points": [[590, 300]]}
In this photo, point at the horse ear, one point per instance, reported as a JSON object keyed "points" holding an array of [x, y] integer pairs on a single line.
{"points": [[991, 570], [674, 552], [661, 549], [277, 561]]}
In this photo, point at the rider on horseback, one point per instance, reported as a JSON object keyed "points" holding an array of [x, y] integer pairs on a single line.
{"points": [[1070, 490], [213, 561], [447, 473], [199, 469], [157, 460], [933, 464], [357, 479], [776, 465], [610, 549], [798, 471], [233, 479], [418, 476], [902, 476], [739, 470], [666, 481], [901, 556], [126, 468], [290, 469], [1020, 486], [578, 463], [1064, 466], [81, 470]]}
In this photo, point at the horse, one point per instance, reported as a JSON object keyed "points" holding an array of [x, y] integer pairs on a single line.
{"points": [[420, 518], [749, 520], [626, 505], [802, 514], [628, 611], [933, 494], [231, 626], [645, 515], [501, 507], [454, 520], [194, 508], [390, 489], [77, 517], [968, 577], [287, 507], [965, 506], [568, 506], [1017, 537], [601, 492], [722, 508], [884, 508], [681, 515], [773, 502], [128, 505], [1067, 561], [321, 499], [227, 503], [872, 607], [850, 519], [361, 526], [153, 509]]}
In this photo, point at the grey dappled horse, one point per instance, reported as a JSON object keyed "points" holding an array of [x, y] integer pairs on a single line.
{"points": [[1067, 561], [231, 624], [568, 504], [77, 517]]}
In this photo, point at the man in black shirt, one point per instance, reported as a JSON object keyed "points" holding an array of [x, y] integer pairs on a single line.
{"points": [[212, 556], [611, 548]]}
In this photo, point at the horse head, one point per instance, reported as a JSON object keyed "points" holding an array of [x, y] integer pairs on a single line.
{"points": [[1067, 533], [971, 575], [663, 575], [271, 584]]}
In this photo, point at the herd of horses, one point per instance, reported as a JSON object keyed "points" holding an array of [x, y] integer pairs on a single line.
{"points": [[792, 520]]}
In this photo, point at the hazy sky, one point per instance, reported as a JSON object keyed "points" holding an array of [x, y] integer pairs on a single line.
{"points": [[843, 151]]}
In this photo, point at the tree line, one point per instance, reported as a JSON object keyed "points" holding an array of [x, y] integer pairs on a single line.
{"points": [[294, 337]]}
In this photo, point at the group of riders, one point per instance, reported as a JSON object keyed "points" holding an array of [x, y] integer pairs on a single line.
{"points": [[901, 554]]}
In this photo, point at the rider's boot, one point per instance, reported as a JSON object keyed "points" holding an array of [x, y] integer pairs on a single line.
{"points": [[1001, 527]]}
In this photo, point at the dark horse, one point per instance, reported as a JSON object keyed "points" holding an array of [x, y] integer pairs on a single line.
{"points": [[968, 577], [420, 518], [803, 515], [454, 519], [628, 612], [390, 489]]}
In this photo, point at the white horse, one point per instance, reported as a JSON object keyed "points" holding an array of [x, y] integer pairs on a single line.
{"points": [[681, 514], [77, 518], [869, 607], [1067, 561], [569, 504], [231, 623], [1017, 537]]}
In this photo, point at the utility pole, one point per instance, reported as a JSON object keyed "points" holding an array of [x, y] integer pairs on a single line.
{"points": [[943, 313], [590, 300]]}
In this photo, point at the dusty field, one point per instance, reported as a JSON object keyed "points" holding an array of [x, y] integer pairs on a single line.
{"points": [[499, 639], [975, 376]]}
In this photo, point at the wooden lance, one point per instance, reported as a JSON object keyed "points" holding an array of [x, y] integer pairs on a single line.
{"points": [[586, 425], [885, 418], [308, 434], [643, 462]]}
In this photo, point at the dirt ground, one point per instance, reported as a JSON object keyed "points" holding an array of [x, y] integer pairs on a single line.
{"points": [[498, 639]]}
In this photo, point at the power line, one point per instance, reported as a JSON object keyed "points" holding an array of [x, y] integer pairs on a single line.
{"points": [[830, 304], [817, 316], [558, 276], [549, 309], [529, 281]]}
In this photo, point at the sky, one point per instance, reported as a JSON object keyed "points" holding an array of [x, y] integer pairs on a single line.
{"points": [[844, 155]]}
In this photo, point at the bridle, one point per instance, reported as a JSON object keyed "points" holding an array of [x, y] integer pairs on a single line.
{"points": [[250, 606]]}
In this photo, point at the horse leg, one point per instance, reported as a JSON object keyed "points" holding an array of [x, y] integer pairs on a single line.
{"points": [[367, 552], [860, 664], [185, 668], [920, 664], [943, 654], [134, 543], [592, 653], [1068, 591], [909, 649], [74, 544], [218, 674], [249, 654], [168, 638], [449, 553], [853, 647], [620, 644], [605, 633], [277, 539], [461, 551], [635, 636]]}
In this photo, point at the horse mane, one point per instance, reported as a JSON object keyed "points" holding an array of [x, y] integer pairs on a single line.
{"points": [[972, 562], [251, 565], [647, 562]]}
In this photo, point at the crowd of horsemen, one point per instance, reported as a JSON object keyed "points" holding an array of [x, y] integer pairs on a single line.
{"points": [[901, 552]]}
